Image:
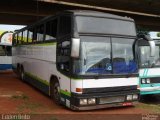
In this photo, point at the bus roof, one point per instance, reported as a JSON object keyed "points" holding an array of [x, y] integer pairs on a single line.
{"points": [[81, 13], [98, 14]]}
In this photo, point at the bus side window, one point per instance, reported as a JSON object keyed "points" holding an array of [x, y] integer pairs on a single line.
{"points": [[15, 39], [64, 44], [20, 38], [24, 36], [64, 26], [8, 50], [30, 35], [51, 30], [40, 33], [2, 51], [34, 40], [63, 55]]}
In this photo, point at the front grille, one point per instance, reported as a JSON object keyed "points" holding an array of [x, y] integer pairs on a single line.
{"points": [[109, 89], [155, 80], [114, 99]]}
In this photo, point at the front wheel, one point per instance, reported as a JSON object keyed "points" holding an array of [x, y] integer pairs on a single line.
{"points": [[55, 92]]}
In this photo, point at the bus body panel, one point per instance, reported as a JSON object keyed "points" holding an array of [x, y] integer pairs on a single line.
{"points": [[149, 72], [102, 83], [154, 86], [40, 64], [5, 62]]}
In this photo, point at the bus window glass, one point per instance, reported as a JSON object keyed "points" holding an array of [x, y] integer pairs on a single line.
{"points": [[123, 59], [20, 38], [94, 59], [30, 35], [146, 60], [2, 50], [63, 55], [64, 26], [25, 36], [15, 39], [40, 32], [8, 50], [51, 30], [34, 36]]}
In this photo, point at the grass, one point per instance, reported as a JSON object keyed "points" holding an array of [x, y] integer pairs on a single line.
{"points": [[23, 97], [26, 104], [30, 106], [152, 108]]}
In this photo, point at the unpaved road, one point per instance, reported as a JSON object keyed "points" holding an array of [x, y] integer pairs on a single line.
{"points": [[17, 97]]}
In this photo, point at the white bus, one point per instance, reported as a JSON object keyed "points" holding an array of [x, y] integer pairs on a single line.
{"points": [[148, 54], [6, 50], [82, 59]]}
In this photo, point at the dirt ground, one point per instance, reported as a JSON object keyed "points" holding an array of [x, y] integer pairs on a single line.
{"points": [[17, 97]]}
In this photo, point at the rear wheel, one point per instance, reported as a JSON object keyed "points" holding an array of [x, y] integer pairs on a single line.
{"points": [[55, 91]]}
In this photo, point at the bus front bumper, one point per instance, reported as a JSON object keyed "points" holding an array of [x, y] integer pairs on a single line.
{"points": [[104, 100], [104, 106], [149, 90]]}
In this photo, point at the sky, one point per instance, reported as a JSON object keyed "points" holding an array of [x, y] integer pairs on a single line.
{"points": [[14, 27], [10, 27], [153, 34]]}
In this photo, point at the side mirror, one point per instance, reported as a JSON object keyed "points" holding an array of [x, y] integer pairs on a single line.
{"points": [[153, 48], [75, 47]]}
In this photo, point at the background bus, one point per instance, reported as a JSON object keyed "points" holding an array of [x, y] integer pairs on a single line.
{"points": [[82, 59], [149, 66], [6, 50]]}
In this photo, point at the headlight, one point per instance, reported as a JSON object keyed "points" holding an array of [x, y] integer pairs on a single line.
{"points": [[148, 80], [83, 102], [91, 101], [135, 97], [143, 81], [129, 97]]}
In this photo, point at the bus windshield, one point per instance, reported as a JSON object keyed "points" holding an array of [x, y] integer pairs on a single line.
{"points": [[99, 55], [146, 60]]}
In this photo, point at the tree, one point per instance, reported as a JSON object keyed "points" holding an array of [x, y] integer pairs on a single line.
{"points": [[158, 34], [141, 30]]}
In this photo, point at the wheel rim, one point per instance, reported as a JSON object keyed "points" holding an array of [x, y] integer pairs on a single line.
{"points": [[56, 91]]}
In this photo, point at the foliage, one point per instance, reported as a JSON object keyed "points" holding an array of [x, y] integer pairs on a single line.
{"points": [[141, 30], [158, 34]]}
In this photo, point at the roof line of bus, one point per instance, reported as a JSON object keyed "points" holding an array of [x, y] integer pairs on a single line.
{"points": [[88, 13]]}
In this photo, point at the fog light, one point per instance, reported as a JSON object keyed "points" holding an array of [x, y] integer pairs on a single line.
{"points": [[83, 102], [143, 81], [135, 97], [91, 101], [148, 81], [129, 97]]}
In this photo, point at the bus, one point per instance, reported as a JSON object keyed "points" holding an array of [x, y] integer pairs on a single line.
{"points": [[83, 59], [149, 65], [6, 50]]}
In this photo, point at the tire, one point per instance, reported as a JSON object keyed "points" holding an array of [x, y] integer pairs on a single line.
{"points": [[55, 91]]}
